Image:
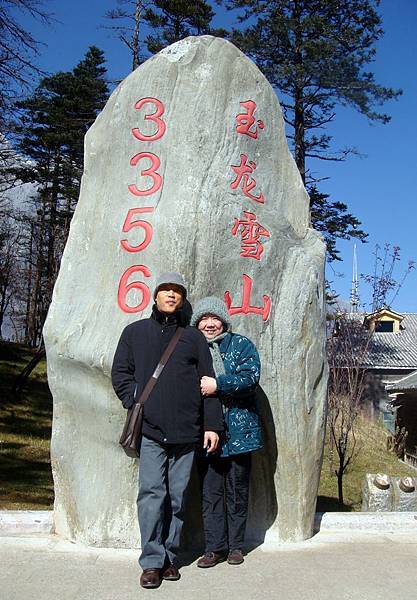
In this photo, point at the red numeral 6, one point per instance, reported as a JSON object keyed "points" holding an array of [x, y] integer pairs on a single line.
{"points": [[125, 287]]}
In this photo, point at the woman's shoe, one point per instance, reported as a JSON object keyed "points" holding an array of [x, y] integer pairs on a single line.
{"points": [[235, 557], [210, 559]]}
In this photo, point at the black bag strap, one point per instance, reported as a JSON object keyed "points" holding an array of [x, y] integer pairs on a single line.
{"points": [[160, 366]]}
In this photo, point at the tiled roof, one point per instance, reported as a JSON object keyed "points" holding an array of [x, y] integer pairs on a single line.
{"points": [[405, 384], [395, 350]]}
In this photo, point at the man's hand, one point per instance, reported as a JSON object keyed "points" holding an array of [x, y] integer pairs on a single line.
{"points": [[211, 441], [208, 385]]}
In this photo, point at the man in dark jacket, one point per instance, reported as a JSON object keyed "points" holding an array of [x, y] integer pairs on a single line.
{"points": [[174, 417]]}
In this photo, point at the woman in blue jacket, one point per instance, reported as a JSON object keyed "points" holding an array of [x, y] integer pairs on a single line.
{"points": [[225, 477]]}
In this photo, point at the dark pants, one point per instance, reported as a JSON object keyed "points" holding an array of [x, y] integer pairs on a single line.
{"points": [[225, 493], [164, 473]]}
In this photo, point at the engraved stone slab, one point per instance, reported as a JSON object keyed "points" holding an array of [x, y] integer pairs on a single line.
{"points": [[187, 168]]}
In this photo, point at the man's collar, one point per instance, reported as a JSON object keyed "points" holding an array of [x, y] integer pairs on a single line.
{"points": [[165, 318]]}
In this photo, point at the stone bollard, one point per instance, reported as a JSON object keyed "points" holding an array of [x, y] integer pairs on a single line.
{"points": [[377, 493], [404, 494]]}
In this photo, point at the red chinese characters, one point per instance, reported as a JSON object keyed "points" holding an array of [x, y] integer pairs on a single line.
{"points": [[251, 231], [246, 121], [148, 163], [242, 177], [246, 308]]}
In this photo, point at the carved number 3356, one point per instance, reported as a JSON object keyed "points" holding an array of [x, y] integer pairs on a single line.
{"points": [[131, 222]]}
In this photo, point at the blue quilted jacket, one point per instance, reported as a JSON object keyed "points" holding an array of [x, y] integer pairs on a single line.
{"points": [[236, 389]]}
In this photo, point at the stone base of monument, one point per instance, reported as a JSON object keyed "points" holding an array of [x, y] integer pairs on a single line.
{"points": [[26, 522], [41, 523], [369, 522], [381, 493]]}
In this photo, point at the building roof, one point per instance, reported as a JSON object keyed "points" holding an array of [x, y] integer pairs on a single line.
{"points": [[384, 312], [406, 384], [395, 350]]}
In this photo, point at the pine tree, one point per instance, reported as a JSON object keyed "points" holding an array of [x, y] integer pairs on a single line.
{"points": [[50, 133], [9, 240], [175, 19], [18, 50], [315, 52], [333, 221]]}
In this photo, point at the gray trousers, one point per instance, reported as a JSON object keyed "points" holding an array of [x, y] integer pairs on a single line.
{"points": [[164, 473]]}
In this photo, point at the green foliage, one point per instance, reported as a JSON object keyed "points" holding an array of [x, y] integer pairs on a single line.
{"points": [[333, 221], [54, 120], [315, 52], [173, 20], [50, 133]]}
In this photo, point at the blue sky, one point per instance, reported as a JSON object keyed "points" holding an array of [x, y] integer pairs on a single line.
{"points": [[380, 188]]}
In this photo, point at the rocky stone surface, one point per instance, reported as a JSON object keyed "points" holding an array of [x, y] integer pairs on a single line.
{"points": [[222, 202], [405, 497], [400, 496], [375, 499]]}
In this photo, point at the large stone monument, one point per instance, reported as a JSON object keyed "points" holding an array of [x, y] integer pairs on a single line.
{"points": [[187, 168]]}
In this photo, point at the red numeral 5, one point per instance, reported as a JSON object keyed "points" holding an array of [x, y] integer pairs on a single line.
{"points": [[130, 224]]}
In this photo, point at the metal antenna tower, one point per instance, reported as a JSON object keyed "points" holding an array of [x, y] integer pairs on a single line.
{"points": [[354, 292]]}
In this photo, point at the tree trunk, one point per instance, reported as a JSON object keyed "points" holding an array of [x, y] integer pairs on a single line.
{"points": [[340, 473], [340, 487], [299, 125], [37, 296], [135, 48], [52, 228], [23, 376]]}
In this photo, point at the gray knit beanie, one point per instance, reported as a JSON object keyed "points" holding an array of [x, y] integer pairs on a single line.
{"points": [[170, 277], [211, 305]]}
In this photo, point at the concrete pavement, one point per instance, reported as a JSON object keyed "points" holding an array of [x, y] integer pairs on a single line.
{"points": [[349, 564]]}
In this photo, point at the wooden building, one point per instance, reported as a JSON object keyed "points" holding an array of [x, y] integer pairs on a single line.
{"points": [[404, 398]]}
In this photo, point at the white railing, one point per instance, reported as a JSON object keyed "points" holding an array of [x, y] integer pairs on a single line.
{"points": [[410, 459]]}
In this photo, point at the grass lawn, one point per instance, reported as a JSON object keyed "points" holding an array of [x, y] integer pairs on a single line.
{"points": [[25, 432]]}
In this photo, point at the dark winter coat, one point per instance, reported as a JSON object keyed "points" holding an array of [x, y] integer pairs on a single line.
{"points": [[174, 413], [236, 389]]}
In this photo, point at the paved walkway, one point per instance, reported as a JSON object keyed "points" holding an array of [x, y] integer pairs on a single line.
{"points": [[343, 565]]}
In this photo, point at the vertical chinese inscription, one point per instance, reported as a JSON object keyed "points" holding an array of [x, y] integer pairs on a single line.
{"points": [[251, 231], [148, 164]]}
